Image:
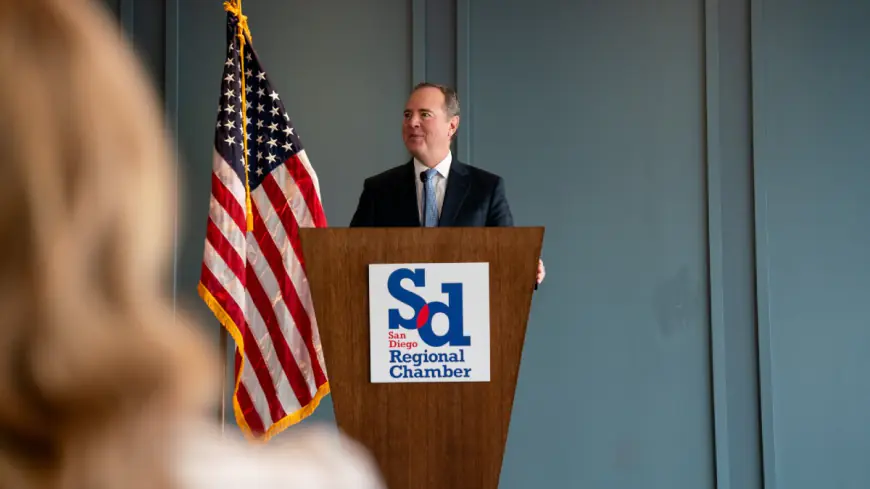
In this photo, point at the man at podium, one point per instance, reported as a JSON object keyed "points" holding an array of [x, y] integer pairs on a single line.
{"points": [[417, 193]]}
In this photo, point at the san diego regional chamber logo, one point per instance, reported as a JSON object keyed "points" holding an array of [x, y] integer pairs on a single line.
{"points": [[429, 322]]}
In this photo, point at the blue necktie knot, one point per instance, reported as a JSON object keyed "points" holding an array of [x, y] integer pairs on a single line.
{"points": [[430, 205]]}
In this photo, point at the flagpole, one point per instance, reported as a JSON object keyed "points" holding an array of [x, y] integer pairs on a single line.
{"points": [[224, 365]]}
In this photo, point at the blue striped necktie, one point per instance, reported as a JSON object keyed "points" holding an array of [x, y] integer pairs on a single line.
{"points": [[430, 206]]}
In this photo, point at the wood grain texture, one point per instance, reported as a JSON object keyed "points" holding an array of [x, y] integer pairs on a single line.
{"points": [[423, 435]]}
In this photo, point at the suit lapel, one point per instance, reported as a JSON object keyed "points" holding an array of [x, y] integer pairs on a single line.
{"points": [[454, 195], [407, 196]]}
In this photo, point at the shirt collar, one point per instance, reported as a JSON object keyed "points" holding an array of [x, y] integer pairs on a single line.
{"points": [[442, 167]]}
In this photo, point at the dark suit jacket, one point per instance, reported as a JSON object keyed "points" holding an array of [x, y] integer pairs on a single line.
{"points": [[473, 198]]}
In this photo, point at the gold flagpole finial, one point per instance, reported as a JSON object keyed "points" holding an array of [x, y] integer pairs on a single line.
{"points": [[235, 7]]}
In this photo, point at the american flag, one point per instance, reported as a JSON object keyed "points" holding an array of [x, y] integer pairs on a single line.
{"points": [[253, 275]]}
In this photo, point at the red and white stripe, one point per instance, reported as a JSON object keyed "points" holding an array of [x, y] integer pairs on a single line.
{"points": [[256, 283]]}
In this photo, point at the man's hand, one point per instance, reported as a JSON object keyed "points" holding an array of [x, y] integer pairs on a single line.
{"points": [[541, 271]]}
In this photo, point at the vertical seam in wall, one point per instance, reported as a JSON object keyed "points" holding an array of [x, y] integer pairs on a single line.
{"points": [[762, 270], [171, 22], [463, 78], [418, 41], [718, 338], [128, 17]]}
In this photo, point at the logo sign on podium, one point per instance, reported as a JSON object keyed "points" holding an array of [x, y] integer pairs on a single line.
{"points": [[429, 322]]}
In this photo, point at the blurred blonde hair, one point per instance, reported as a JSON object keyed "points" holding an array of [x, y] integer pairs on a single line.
{"points": [[96, 371]]}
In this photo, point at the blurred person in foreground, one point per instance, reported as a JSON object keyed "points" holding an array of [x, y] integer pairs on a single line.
{"points": [[101, 385]]}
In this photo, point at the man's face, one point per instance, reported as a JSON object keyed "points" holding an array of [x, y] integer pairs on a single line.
{"points": [[427, 129]]}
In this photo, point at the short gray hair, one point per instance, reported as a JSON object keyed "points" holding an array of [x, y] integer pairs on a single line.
{"points": [[451, 99]]}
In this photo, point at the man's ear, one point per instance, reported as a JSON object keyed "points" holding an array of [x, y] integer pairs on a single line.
{"points": [[454, 125]]}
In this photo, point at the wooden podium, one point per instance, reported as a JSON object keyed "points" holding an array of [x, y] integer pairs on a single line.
{"points": [[448, 435]]}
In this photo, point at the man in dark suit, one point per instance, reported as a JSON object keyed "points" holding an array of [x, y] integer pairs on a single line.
{"points": [[433, 189]]}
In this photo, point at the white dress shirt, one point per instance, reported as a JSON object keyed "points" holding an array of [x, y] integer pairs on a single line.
{"points": [[443, 169]]}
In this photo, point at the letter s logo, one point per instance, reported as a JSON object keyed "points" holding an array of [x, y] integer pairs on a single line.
{"points": [[394, 286]]}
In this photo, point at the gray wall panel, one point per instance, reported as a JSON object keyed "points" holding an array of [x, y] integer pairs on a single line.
{"points": [[812, 140], [594, 113]]}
